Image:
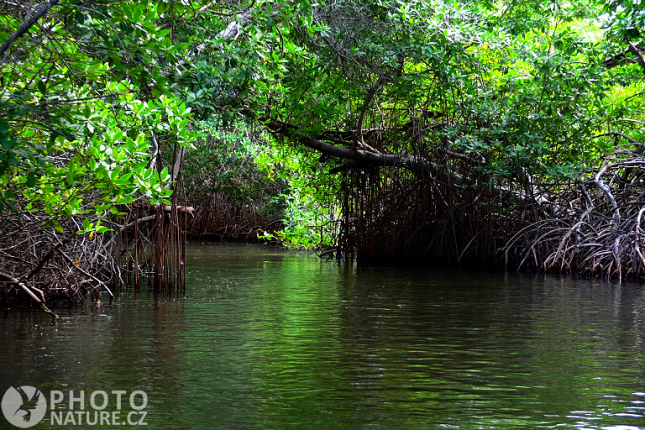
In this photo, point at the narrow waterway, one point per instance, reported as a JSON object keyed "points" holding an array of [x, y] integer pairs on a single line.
{"points": [[271, 339]]}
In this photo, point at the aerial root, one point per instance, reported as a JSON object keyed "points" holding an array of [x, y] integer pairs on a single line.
{"points": [[599, 236]]}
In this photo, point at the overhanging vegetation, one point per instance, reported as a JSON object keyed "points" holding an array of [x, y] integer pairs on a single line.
{"points": [[458, 132]]}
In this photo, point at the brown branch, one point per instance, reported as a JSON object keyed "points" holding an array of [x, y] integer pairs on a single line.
{"points": [[632, 120], [637, 247], [119, 228], [77, 267], [618, 59], [366, 104], [177, 166], [372, 158], [48, 256], [378, 159], [600, 183], [26, 26], [618, 134], [639, 56], [463, 157], [10, 279]]}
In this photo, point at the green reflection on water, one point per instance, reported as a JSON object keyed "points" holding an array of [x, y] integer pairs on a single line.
{"points": [[274, 340]]}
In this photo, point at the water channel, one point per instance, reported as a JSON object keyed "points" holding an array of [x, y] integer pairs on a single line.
{"points": [[272, 339]]}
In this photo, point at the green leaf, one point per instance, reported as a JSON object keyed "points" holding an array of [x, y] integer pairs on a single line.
{"points": [[31, 179]]}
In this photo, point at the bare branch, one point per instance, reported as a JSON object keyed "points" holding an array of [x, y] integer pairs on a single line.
{"points": [[639, 56], [600, 183], [26, 26], [631, 120], [10, 279], [373, 158], [47, 256], [617, 134], [366, 104], [77, 267]]}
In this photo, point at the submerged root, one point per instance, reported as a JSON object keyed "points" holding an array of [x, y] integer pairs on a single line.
{"points": [[599, 234], [45, 259], [222, 216]]}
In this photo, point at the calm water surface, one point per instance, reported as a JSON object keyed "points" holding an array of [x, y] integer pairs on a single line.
{"points": [[268, 339]]}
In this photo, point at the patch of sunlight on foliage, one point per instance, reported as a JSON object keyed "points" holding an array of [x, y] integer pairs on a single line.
{"points": [[311, 208]]}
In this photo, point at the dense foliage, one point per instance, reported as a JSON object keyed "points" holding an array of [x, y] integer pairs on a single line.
{"points": [[512, 95], [83, 94], [334, 117]]}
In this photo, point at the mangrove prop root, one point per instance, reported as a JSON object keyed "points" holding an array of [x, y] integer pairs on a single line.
{"points": [[37, 262], [10, 279], [598, 230]]}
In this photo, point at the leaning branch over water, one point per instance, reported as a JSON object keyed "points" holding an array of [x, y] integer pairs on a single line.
{"points": [[373, 158]]}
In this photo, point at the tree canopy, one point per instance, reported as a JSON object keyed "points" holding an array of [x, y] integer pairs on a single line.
{"points": [[388, 124]]}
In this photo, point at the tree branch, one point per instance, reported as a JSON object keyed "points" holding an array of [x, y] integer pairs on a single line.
{"points": [[372, 158], [77, 267], [47, 256], [404, 160], [639, 56], [26, 26], [618, 134], [10, 279], [366, 104], [601, 184], [632, 120], [618, 59]]}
